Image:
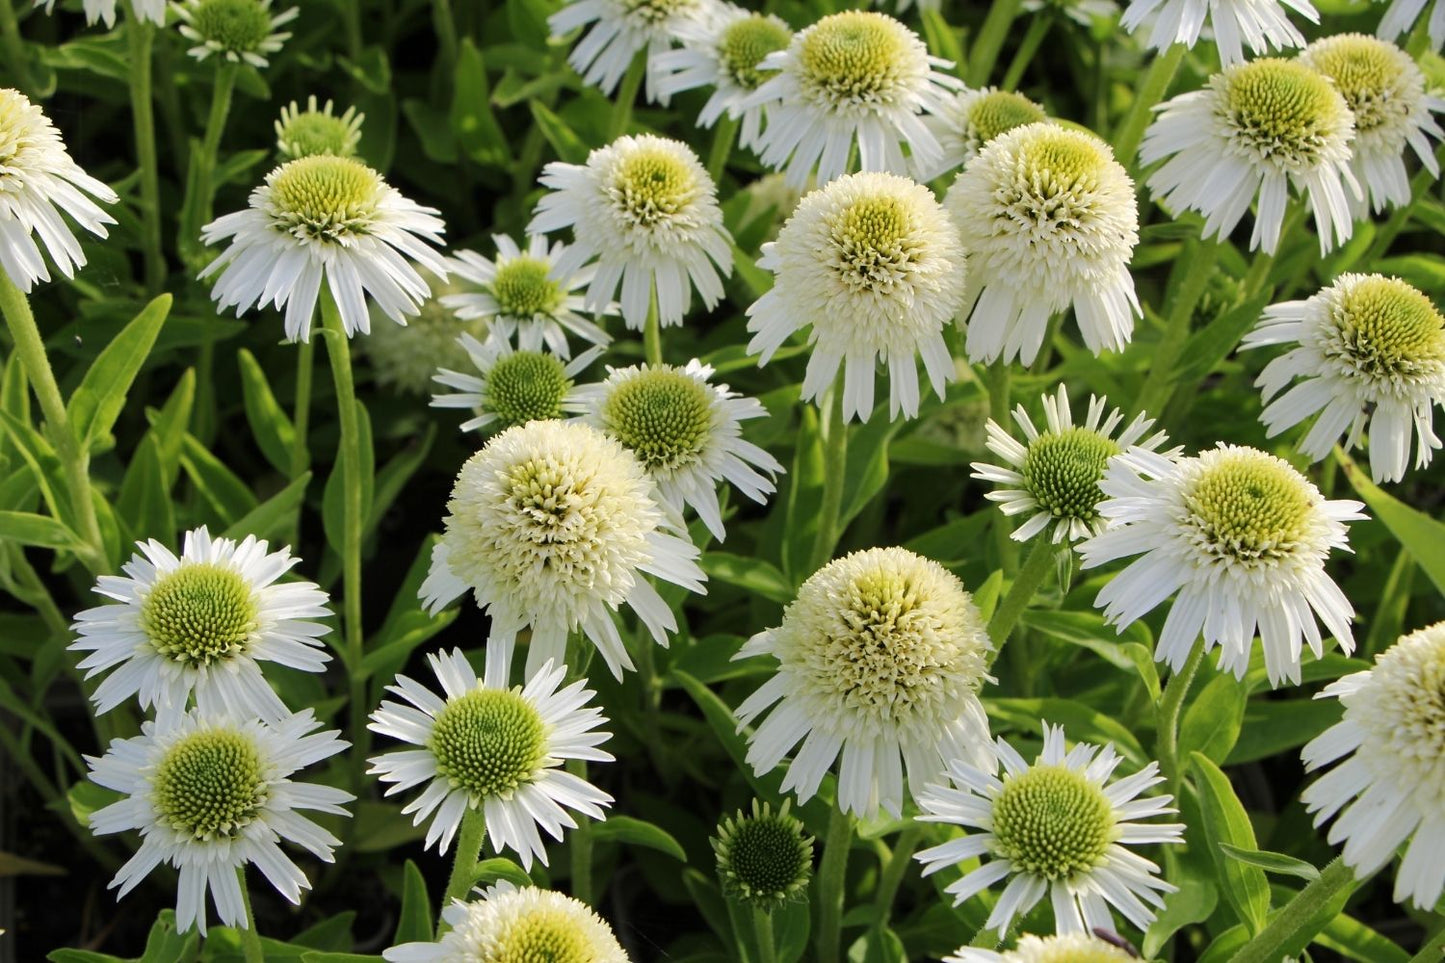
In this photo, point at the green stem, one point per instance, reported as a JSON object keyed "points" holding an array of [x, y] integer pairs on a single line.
{"points": [[986, 938], [251, 950], [446, 31], [1036, 568], [1433, 950], [899, 859], [15, 50], [835, 463], [832, 874], [626, 95], [1272, 942], [351, 21], [141, 36], [1200, 256], [464, 861], [990, 40], [1167, 718], [301, 410], [763, 929], [1156, 84], [580, 845], [200, 193], [723, 137], [652, 333], [1038, 29]]}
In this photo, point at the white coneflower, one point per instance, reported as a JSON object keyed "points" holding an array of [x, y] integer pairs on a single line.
{"points": [[853, 80], [517, 925], [1242, 537], [211, 792], [647, 210], [1386, 92], [511, 387], [406, 357], [1049, 220], [38, 181], [880, 660], [498, 749], [686, 431], [238, 30], [325, 219], [316, 130], [1053, 476], [1063, 948], [1401, 17], [621, 29], [722, 51], [153, 11], [526, 293], [1369, 351], [1082, 12], [1255, 130], [1058, 828], [873, 264], [975, 117], [552, 526], [198, 624], [1390, 786], [1257, 24]]}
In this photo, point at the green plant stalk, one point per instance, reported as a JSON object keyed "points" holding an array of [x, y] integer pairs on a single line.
{"points": [[15, 50], [626, 95], [446, 31], [580, 843], [991, 35], [1036, 568], [891, 877], [1201, 257], [201, 194], [835, 470], [1028, 47], [986, 938], [301, 409], [1269, 944], [1167, 718], [763, 930], [251, 950], [1431, 952], [652, 332], [351, 20], [1156, 83], [140, 35], [464, 861], [832, 874], [723, 138]]}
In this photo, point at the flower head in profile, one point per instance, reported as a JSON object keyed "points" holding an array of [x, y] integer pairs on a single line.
{"points": [[975, 117], [1254, 131], [494, 749], [511, 387], [553, 525], [686, 431], [209, 793], [764, 859], [1235, 24], [1400, 18], [647, 210], [1049, 220], [621, 29], [853, 80], [872, 264], [151, 11], [880, 661], [1388, 788], [517, 925], [1386, 92], [332, 220], [39, 181], [405, 357], [1241, 537], [1062, 948], [1053, 475], [1367, 352], [1061, 827], [316, 130], [238, 30], [198, 624], [525, 293]]}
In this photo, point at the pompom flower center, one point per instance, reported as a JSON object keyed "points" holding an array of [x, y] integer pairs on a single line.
{"points": [[1249, 506], [853, 57], [210, 785], [324, 197], [656, 12], [1370, 76], [1387, 329], [523, 289], [1052, 822], [873, 242], [1062, 471], [241, 26], [1402, 711], [664, 417], [1281, 108], [1057, 162], [526, 386], [315, 132], [1000, 111], [651, 185], [199, 614], [743, 45], [489, 742], [20, 122]]}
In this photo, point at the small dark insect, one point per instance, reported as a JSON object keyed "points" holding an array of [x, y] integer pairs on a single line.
{"points": [[1114, 939]]}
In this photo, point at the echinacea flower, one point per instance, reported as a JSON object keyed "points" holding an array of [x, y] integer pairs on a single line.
{"points": [[1049, 220], [238, 30], [1059, 827], [511, 387], [880, 661], [325, 219], [405, 357], [621, 29], [152, 11], [1061, 948], [197, 624], [495, 749], [1366, 352], [316, 130], [209, 793], [1400, 18], [972, 118], [553, 525], [39, 181], [873, 266], [764, 858], [1235, 24], [1241, 537]]}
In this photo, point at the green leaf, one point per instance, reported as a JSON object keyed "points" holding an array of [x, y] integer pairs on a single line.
{"points": [[792, 923], [1083, 722], [81, 956], [867, 468], [270, 425], [332, 933], [274, 517], [753, 574], [1422, 536], [40, 530], [568, 145], [416, 924], [1215, 341], [168, 426], [97, 402], [1226, 822], [1355, 941], [166, 945], [878, 945], [473, 122], [1277, 863], [803, 493], [86, 797], [499, 867], [637, 832], [333, 511], [392, 480], [144, 503], [1193, 903], [321, 956], [1272, 727], [12, 865], [1212, 722], [227, 495]]}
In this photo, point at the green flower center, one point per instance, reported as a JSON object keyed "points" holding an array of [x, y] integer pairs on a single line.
{"points": [[652, 184], [853, 56], [655, 12], [1062, 471], [745, 42], [1250, 506], [523, 290], [199, 613], [1052, 822], [1000, 111], [1281, 108], [1388, 329], [526, 386], [875, 242], [1369, 74], [663, 416], [1056, 160], [488, 742], [314, 132], [210, 784], [544, 936], [236, 25], [324, 196], [766, 858]]}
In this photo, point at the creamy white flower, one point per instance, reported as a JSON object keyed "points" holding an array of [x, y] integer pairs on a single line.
{"points": [[873, 266], [856, 79], [1082, 12], [332, 219], [1053, 476], [1366, 352], [198, 624], [972, 118], [1058, 828], [1062, 948], [552, 526], [1242, 537], [1389, 787], [1401, 17], [1049, 220], [489, 747], [38, 181], [517, 925], [647, 210], [523, 292], [1386, 92], [880, 660], [316, 130], [1256, 24], [1258, 128], [405, 357], [153, 11], [621, 29], [511, 387], [238, 30], [211, 792]]}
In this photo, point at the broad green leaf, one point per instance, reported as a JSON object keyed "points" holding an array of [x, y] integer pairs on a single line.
{"points": [[803, 494], [1211, 723], [169, 425], [144, 504], [1193, 903], [792, 923], [39, 530], [867, 468], [332, 933], [1225, 821], [86, 797], [1420, 535], [416, 924], [81, 956], [227, 495], [709, 902], [165, 945], [564, 141], [637, 832], [1272, 727], [392, 480], [498, 867], [433, 127], [276, 516], [1215, 341], [1355, 941], [270, 425], [1083, 722], [878, 945], [12, 865], [754, 574], [1277, 863], [97, 402], [473, 122]]}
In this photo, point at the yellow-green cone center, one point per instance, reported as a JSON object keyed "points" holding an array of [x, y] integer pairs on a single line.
{"points": [[544, 936], [745, 42], [1281, 107], [209, 785], [1370, 76], [1000, 111], [236, 25], [199, 613], [488, 742], [653, 184], [1389, 329], [1052, 822], [323, 195], [525, 386], [853, 56], [875, 242], [1056, 160], [656, 11], [1062, 471], [523, 290], [1249, 506], [664, 417]]}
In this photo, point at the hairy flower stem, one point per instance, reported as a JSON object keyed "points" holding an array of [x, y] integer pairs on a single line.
{"points": [[723, 138], [200, 190], [763, 930], [301, 409], [1167, 718], [1151, 91], [1026, 583], [834, 430], [991, 35], [251, 950], [626, 94], [1200, 256], [141, 37], [832, 874], [464, 861], [891, 877], [580, 841], [1273, 942]]}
